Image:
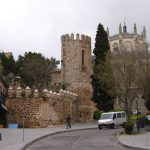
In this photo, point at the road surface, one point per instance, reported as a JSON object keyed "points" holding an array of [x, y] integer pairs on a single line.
{"points": [[90, 139]]}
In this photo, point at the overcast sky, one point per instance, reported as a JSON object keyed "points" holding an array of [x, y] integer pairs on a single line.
{"points": [[37, 25]]}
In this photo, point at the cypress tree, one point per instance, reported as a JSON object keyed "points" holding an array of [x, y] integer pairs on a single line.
{"points": [[102, 73], [101, 44]]}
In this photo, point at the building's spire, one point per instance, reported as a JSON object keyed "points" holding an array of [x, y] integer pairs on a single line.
{"points": [[124, 28], [107, 31], [135, 29], [120, 28], [144, 31]]}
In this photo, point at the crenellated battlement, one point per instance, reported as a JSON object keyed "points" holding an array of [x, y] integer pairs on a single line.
{"points": [[60, 95], [76, 37], [18, 93]]}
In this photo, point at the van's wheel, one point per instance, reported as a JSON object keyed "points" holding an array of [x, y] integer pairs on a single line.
{"points": [[99, 127], [123, 124], [112, 126]]}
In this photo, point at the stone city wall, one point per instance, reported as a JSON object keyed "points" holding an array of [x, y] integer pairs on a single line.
{"points": [[45, 109]]}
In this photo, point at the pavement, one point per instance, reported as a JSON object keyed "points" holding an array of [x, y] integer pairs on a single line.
{"points": [[18, 139], [137, 140]]}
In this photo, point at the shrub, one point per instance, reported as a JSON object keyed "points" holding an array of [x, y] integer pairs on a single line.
{"points": [[128, 127], [97, 114], [136, 117], [116, 110]]}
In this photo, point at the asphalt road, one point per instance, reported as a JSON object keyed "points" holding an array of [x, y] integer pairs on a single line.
{"points": [[91, 139]]}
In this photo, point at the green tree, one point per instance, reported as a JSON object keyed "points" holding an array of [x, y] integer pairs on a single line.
{"points": [[8, 67], [8, 64], [35, 69], [102, 77]]}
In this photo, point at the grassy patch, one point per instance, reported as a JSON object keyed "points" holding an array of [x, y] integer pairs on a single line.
{"points": [[134, 117]]}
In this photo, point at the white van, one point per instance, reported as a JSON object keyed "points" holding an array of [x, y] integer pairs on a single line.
{"points": [[111, 119]]}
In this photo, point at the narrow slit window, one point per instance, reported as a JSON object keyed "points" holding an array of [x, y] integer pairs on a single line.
{"points": [[83, 57]]}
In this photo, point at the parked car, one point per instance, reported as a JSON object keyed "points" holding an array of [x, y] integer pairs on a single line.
{"points": [[148, 117], [112, 119], [134, 112], [143, 121]]}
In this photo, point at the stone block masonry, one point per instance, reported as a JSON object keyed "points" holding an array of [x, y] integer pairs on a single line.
{"points": [[47, 108], [76, 59]]}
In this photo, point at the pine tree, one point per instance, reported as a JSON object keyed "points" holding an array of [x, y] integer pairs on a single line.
{"points": [[102, 79]]}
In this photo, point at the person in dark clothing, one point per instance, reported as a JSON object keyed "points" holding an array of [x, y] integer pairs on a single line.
{"points": [[68, 121]]}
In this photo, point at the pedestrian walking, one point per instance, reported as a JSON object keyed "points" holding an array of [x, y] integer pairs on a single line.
{"points": [[68, 121]]}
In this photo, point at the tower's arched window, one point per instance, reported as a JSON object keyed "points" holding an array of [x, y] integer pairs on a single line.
{"points": [[83, 53]]}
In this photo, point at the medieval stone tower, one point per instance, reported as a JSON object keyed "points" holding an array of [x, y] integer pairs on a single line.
{"points": [[76, 59]]}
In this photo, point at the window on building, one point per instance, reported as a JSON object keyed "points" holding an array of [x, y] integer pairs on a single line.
{"points": [[128, 45], [83, 67], [115, 47], [83, 57]]}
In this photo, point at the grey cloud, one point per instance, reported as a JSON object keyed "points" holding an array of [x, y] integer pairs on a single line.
{"points": [[36, 25]]}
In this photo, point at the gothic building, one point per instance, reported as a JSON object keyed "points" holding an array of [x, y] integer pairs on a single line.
{"points": [[126, 40], [130, 41]]}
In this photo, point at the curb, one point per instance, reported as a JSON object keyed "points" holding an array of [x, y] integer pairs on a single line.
{"points": [[42, 137], [129, 146]]}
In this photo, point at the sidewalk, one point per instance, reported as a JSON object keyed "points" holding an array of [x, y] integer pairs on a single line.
{"points": [[12, 139], [139, 141]]}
